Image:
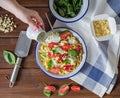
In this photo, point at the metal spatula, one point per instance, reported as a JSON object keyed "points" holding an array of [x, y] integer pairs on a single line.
{"points": [[21, 50]]}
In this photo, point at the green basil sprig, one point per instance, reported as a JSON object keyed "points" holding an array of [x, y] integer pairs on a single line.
{"points": [[9, 57], [47, 93]]}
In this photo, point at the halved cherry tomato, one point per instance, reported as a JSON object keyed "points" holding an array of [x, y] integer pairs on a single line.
{"points": [[50, 88], [64, 89], [55, 70], [52, 44], [75, 88], [36, 27], [78, 48], [61, 57], [65, 35], [53, 55], [68, 67], [66, 47]]}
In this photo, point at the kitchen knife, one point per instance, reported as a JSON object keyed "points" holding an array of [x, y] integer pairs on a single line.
{"points": [[21, 50]]}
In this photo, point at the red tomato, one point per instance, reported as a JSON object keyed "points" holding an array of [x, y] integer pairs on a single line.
{"points": [[61, 57], [52, 44], [55, 70], [53, 55], [68, 67], [78, 48], [50, 88], [75, 88], [64, 89], [36, 27], [66, 47], [64, 35]]}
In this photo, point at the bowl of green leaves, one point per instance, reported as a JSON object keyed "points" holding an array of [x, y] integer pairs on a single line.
{"points": [[68, 11]]}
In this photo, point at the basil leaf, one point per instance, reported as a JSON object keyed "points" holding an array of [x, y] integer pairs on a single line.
{"points": [[9, 57], [50, 64], [56, 50], [47, 93], [43, 54], [67, 61], [73, 52]]}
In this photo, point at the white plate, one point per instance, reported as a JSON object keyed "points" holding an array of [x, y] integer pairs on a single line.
{"points": [[71, 73]]}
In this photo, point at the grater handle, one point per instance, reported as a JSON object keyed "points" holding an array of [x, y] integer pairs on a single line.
{"points": [[15, 72]]}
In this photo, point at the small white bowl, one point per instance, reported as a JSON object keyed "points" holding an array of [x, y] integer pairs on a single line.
{"points": [[111, 24], [81, 13]]}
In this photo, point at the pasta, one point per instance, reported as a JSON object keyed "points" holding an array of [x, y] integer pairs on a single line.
{"points": [[101, 28], [61, 57]]}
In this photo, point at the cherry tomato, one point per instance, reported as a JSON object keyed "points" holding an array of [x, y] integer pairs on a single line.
{"points": [[66, 47], [68, 67], [52, 44], [64, 89], [64, 35], [53, 55], [61, 57], [78, 48], [50, 88], [75, 88], [55, 70]]}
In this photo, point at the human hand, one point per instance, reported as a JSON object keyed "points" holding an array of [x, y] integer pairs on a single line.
{"points": [[30, 17]]}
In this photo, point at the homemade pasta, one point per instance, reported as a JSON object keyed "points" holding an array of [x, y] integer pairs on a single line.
{"points": [[101, 28], [61, 57]]}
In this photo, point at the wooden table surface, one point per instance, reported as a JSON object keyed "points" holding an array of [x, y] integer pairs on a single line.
{"points": [[30, 80]]}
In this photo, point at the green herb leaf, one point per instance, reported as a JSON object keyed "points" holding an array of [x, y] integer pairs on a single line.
{"points": [[43, 54], [67, 61], [47, 93], [73, 52], [9, 57], [50, 64], [67, 8], [56, 50]]}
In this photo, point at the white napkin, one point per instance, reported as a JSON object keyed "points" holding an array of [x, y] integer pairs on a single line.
{"points": [[99, 73]]}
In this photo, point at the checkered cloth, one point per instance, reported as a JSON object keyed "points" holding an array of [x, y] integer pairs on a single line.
{"points": [[99, 74]]}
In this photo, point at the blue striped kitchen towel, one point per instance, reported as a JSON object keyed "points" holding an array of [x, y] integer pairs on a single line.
{"points": [[99, 74]]}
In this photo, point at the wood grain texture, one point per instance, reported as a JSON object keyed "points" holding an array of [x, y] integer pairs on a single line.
{"points": [[30, 84], [22, 26], [35, 3], [30, 80]]}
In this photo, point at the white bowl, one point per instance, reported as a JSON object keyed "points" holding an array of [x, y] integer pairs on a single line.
{"points": [[111, 24], [74, 72], [81, 14]]}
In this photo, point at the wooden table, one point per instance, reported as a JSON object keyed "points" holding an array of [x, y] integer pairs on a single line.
{"points": [[30, 80]]}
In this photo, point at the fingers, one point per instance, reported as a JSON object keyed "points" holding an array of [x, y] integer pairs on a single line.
{"points": [[31, 22], [41, 23]]}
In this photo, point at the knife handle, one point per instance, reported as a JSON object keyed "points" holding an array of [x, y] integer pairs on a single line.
{"points": [[15, 72]]}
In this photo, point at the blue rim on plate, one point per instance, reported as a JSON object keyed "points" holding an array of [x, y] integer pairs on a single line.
{"points": [[55, 76], [70, 21]]}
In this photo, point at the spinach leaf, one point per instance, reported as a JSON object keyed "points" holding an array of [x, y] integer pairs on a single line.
{"points": [[67, 8], [9, 57], [61, 12]]}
